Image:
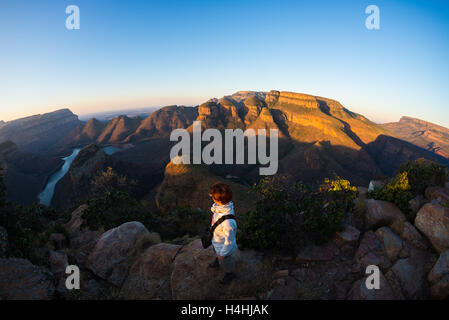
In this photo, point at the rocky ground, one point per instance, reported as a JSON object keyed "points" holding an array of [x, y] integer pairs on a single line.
{"points": [[130, 262]]}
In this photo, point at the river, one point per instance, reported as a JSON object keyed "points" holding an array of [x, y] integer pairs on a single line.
{"points": [[47, 194]]}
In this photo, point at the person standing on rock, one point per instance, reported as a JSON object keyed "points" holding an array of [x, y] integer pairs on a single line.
{"points": [[224, 236]]}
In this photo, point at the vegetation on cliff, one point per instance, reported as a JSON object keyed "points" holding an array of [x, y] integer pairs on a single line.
{"points": [[413, 179], [288, 214]]}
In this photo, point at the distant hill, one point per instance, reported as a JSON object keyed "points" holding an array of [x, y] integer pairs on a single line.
{"points": [[39, 133], [427, 135], [109, 115]]}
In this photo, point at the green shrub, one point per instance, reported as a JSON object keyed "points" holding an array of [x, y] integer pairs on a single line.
{"points": [[24, 226], [113, 209], [413, 179], [397, 191], [181, 222], [289, 214], [422, 173]]}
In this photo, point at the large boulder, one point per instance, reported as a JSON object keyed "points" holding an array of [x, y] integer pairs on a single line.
{"points": [[149, 276], [116, 250], [192, 278], [382, 213], [433, 221], [360, 291], [3, 242], [409, 233], [21, 280], [439, 277], [408, 276], [437, 193], [82, 244], [371, 252], [416, 203], [393, 245]]}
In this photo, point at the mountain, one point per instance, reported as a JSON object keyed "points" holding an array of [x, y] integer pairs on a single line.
{"points": [[318, 137], [427, 135], [163, 121], [24, 174], [39, 133], [85, 133]]}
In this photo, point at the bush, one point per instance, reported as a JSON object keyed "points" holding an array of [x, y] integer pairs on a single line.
{"points": [[422, 173], [113, 209], [181, 222], [397, 191], [289, 214], [24, 226], [414, 178]]}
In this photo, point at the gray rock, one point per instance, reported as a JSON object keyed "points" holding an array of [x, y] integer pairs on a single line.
{"points": [[433, 221], [382, 213], [149, 276], [416, 203], [116, 250], [393, 245], [349, 236], [58, 262], [360, 291], [21, 280], [410, 274], [439, 277], [192, 279]]}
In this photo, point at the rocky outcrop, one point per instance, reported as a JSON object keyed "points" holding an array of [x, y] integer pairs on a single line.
{"points": [[115, 250], [393, 245], [433, 221], [437, 193], [149, 276], [192, 279], [21, 280], [292, 98], [439, 277], [360, 290], [382, 213]]}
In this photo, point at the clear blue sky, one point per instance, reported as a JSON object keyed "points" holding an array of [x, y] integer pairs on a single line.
{"points": [[145, 53]]}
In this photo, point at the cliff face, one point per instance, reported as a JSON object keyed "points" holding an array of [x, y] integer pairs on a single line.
{"points": [[24, 174], [39, 133], [427, 135]]}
